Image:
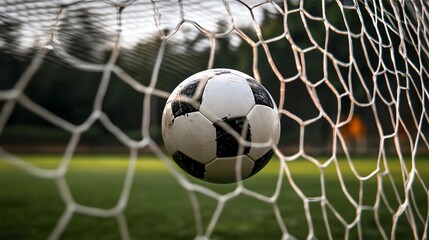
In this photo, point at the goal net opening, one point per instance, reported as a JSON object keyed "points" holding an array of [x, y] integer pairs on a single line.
{"points": [[350, 79]]}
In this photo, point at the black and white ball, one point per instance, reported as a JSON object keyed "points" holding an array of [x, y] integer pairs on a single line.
{"points": [[200, 119]]}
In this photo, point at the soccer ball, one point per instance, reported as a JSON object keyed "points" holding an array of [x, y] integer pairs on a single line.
{"points": [[220, 125]]}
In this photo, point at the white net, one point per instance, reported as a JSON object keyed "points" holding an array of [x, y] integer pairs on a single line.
{"points": [[350, 79]]}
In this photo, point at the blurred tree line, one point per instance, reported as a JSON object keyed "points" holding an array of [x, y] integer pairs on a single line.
{"points": [[69, 92]]}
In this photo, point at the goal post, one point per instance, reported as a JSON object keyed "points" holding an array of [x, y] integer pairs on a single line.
{"points": [[350, 79]]}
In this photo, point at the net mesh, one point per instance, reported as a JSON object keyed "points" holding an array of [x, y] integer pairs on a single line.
{"points": [[350, 79]]}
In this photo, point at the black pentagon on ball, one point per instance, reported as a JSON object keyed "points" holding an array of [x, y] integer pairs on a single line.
{"points": [[226, 144], [183, 106], [189, 165], [261, 95]]}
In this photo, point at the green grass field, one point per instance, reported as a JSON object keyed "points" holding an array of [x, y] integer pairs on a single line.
{"points": [[159, 208]]}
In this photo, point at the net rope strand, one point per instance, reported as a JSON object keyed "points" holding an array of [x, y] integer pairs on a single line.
{"points": [[396, 32]]}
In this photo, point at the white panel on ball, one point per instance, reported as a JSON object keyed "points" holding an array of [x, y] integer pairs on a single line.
{"points": [[222, 170], [226, 96], [194, 135], [265, 127]]}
